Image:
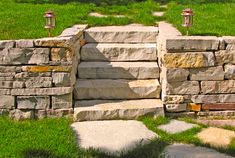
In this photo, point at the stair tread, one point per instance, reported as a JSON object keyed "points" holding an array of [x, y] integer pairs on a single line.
{"points": [[117, 64], [127, 28], [121, 45]]}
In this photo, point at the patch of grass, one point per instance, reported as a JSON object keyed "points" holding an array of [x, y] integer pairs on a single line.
{"points": [[214, 17], [24, 18]]}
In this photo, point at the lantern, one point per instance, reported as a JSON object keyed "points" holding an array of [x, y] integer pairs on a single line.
{"points": [[187, 15], [50, 21]]}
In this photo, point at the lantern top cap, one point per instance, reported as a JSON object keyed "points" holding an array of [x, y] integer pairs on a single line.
{"points": [[187, 11], [49, 13]]}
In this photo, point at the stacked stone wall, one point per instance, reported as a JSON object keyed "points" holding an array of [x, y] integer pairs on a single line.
{"points": [[197, 73], [37, 76]]}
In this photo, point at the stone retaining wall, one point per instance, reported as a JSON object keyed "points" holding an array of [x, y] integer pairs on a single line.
{"points": [[37, 76], [197, 72]]}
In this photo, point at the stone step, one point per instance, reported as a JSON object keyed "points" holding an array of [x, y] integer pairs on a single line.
{"points": [[119, 52], [118, 70], [121, 34], [91, 110], [116, 89]]}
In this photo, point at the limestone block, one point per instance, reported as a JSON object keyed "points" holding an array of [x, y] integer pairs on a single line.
{"points": [[39, 56], [5, 91], [33, 102], [19, 84], [178, 88], [176, 107], [218, 98], [6, 84], [118, 52], [212, 114], [118, 70], [38, 82], [6, 78], [62, 101], [76, 30], [212, 87], [117, 89], [58, 113], [7, 74], [192, 43], [32, 74], [58, 54], [41, 91], [61, 79], [174, 74], [121, 34], [7, 44], [229, 72], [55, 42], [20, 115], [188, 60], [46, 68], [7, 102], [24, 43], [225, 57], [9, 69], [210, 73], [4, 112], [172, 99]]}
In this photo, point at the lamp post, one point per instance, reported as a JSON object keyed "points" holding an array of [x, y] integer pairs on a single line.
{"points": [[187, 21], [50, 22]]}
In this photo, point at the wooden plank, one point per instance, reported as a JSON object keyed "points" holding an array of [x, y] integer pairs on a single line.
{"points": [[218, 106], [194, 107]]}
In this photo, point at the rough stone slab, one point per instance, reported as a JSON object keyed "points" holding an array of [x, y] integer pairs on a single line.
{"points": [[188, 60], [229, 39], [180, 114], [116, 109], [192, 43], [218, 98], [215, 114], [62, 101], [117, 89], [175, 126], [8, 74], [176, 107], [216, 136], [7, 102], [24, 43], [20, 115], [7, 44], [229, 72], [38, 82], [118, 70], [22, 75], [212, 87], [174, 74], [119, 52], [172, 99], [103, 135], [217, 123], [55, 42], [225, 57], [6, 78], [4, 112], [17, 56], [61, 79], [6, 84], [33, 102], [191, 151], [121, 34], [76, 30], [62, 54], [46, 68], [42, 91], [205, 74], [180, 88], [5, 91], [9, 69], [218, 106], [19, 84]]}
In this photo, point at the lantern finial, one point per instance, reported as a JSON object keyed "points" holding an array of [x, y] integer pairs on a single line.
{"points": [[50, 22], [187, 15]]}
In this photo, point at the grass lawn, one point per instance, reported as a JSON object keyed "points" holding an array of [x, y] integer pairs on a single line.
{"points": [[24, 18], [53, 138]]}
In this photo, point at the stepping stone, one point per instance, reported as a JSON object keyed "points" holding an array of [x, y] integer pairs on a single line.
{"points": [[191, 151], [98, 15], [216, 136], [158, 14], [219, 123], [112, 137], [175, 126], [163, 6]]}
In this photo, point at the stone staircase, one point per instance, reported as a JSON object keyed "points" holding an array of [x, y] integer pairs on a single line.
{"points": [[118, 74]]}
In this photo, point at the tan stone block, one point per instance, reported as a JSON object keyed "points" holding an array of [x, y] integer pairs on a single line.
{"points": [[176, 107], [174, 74], [62, 101], [229, 72], [225, 57], [172, 99], [7, 102], [212, 87], [55, 42], [210, 73], [33, 102], [188, 60], [46, 68], [38, 82]]}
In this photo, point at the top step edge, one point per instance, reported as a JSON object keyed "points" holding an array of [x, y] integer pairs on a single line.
{"points": [[126, 28]]}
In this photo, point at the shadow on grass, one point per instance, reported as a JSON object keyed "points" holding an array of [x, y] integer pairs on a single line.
{"points": [[152, 150]]}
